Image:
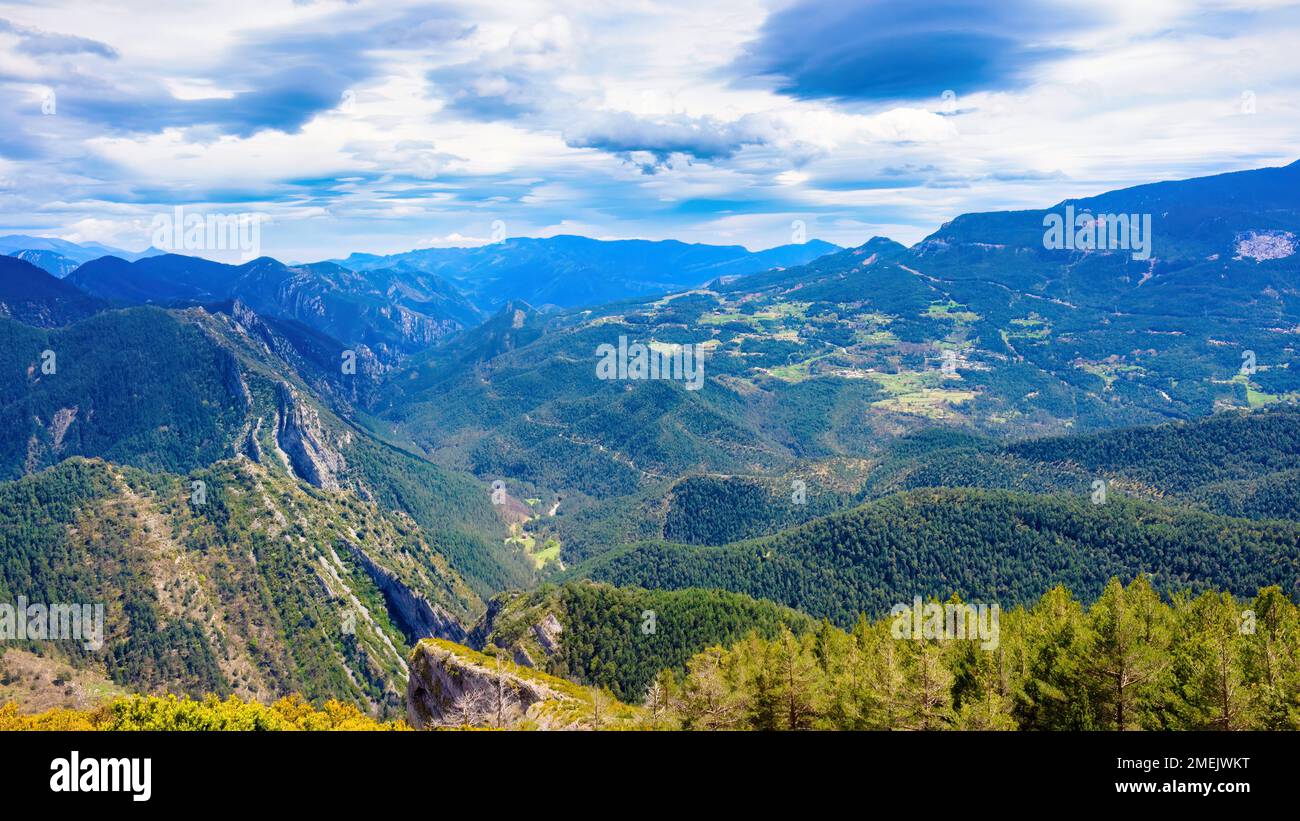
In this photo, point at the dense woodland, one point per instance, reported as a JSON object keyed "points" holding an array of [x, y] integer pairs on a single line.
{"points": [[982, 545], [137, 387], [227, 596], [619, 638], [1240, 464], [1127, 661], [59, 544]]}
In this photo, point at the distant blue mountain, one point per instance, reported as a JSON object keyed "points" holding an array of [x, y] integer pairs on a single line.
{"points": [[52, 262], [34, 297], [391, 316], [570, 271], [162, 279], [52, 252], [1190, 219]]}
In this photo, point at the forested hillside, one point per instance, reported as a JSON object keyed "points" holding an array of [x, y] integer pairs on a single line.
{"points": [[178, 391], [979, 330], [246, 582], [383, 316], [138, 387], [1126, 661], [29, 294], [620, 637], [983, 545], [1239, 464]]}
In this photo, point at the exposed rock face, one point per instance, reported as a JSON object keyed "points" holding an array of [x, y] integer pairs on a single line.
{"points": [[302, 438], [63, 419], [547, 632], [533, 647], [251, 447], [478, 634], [319, 367], [233, 376], [257, 328], [41, 448], [416, 616], [450, 688]]}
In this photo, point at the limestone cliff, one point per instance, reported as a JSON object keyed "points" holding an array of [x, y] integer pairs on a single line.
{"points": [[455, 686], [525, 626], [417, 617], [303, 439]]}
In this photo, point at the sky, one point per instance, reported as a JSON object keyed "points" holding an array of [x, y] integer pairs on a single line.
{"points": [[384, 126]]}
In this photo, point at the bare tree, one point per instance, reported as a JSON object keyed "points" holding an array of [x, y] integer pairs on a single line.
{"points": [[504, 700], [597, 701], [655, 699], [465, 710]]}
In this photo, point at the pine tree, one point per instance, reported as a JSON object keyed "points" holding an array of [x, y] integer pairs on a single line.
{"points": [[1047, 654], [927, 697], [1126, 651], [1271, 660], [796, 681], [710, 697]]}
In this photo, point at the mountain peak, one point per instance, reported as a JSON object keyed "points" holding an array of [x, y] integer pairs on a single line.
{"points": [[35, 297], [879, 243]]}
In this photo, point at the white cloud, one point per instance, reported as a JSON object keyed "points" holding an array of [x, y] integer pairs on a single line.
{"points": [[579, 99]]}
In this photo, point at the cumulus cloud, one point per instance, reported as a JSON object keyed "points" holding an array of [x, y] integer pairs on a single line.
{"points": [[514, 80], [374, 127]]}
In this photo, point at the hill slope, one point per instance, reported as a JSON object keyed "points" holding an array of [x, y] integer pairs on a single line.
{"points": [[989, 546], [34, 297], [255, 585], [178, 391], [375, 312], [979, 328]]}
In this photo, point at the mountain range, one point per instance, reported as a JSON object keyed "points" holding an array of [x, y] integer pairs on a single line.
{"points": [[281, 477], [568, 271], [61, 257]]}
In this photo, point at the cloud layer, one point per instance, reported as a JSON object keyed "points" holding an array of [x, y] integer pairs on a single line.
{"points": [[357, 126]]}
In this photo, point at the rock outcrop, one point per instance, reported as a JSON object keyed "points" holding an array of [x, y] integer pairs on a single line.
{"points": [[302, 438], [453, 686], [534, 635], [547, 632], [319, 364], [417, 617]]}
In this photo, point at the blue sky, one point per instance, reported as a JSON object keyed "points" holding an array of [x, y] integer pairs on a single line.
{"points": [[386, 126]]}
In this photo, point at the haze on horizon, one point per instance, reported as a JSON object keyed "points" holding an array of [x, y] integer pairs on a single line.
{"points": [[382, 127]]}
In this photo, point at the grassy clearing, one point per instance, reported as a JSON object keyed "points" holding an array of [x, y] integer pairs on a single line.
{"points": [[878, 337], [951, 310], [1032, 327], [933, 403]]}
